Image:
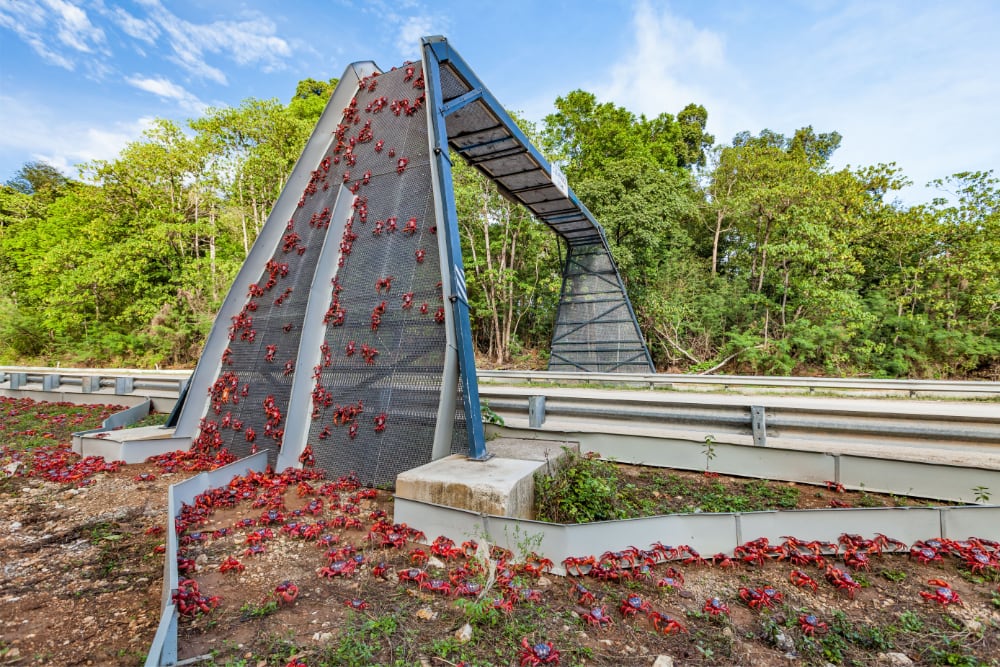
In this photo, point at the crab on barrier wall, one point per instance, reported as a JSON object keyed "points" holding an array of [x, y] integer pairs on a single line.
{"points": [[345, 341]]}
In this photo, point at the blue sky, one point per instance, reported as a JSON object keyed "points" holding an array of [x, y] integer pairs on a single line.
{"points": [[908, 81]]}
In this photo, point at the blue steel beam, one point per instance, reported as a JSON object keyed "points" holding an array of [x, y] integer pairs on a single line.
{"points": [[452, 241]]}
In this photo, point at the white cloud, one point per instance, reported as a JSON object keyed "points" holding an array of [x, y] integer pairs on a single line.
{"points": [[62, 33], [249, 41], [74, 27], [29, 21], [135, 27], [411, 29], [904, 83], [39, 133], [667, 66], [168, 90]]}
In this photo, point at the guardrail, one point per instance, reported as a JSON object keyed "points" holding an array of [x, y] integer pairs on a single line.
{"points": [[948, 430], [716, 382], [127, 381], [755, 418], [79, 384]]}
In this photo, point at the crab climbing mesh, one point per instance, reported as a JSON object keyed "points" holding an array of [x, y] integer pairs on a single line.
{"points": [[376, 389]]}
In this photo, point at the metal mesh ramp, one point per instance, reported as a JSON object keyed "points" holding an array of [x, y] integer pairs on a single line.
{"points": [[595, 328], [595, 332], [339, 340], [345, 338]]}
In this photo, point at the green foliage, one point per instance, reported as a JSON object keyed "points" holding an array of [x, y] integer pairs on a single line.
{"points": [[261, 610], [755, 256], [583, 489], [362, 640], [489, 416]]}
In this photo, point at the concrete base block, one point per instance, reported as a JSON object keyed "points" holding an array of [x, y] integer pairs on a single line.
{"points": [[133, 445], [502, 486]]}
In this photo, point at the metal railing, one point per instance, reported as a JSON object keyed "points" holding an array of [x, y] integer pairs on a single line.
{"points": [[945, 424], [126, 381], [735, 382]]}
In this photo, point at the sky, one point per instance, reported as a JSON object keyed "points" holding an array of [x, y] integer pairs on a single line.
{"points": [[912, 82]]}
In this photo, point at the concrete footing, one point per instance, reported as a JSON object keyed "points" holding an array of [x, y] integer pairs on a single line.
{"points": [[131, 445], [503, 485]]}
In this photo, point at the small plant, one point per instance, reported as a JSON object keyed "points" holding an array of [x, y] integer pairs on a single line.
{"points": [[252, 610], [709, 451], [584, 489], [526, 542], [981, 494], [894, 576], [488, 414], [480, 612], [910, 622]]}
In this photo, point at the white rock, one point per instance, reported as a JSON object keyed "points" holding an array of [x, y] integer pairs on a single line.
{"points": [[323, 636], [663, 661], [464, 633], [895, 659], [784, 642], [16, 525]]}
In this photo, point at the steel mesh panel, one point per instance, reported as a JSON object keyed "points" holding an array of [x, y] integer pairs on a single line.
{"points": [[374, 414], [380, 152], [595, 330], [250, 396], [452, 85]]}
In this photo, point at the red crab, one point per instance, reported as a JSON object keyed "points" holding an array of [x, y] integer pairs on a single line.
{"points": [[436, 586], [802, 580], [598, 616], [286, 591], [943, 594], [542, 653], [412, 574], [842, 580], [715, 606], [231, 565], [665, 624], [536, 565], [810, 625], [468, 588], [340, 568], [760, 597], [632, 605], [924, 553], [583, 596]]}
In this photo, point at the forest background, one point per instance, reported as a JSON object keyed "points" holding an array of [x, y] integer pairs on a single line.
{"points": [[754, 256]]}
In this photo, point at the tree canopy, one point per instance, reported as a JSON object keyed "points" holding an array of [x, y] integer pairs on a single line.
{"points": [[753, 256]]}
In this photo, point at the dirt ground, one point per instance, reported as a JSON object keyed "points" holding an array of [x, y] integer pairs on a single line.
{"points": [[80, 584]]}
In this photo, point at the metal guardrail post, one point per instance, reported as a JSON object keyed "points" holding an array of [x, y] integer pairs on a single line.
{"points": [[18, 380], [124, 385], [536, 411], [90, 384], [759, 425], [51, 382]]}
